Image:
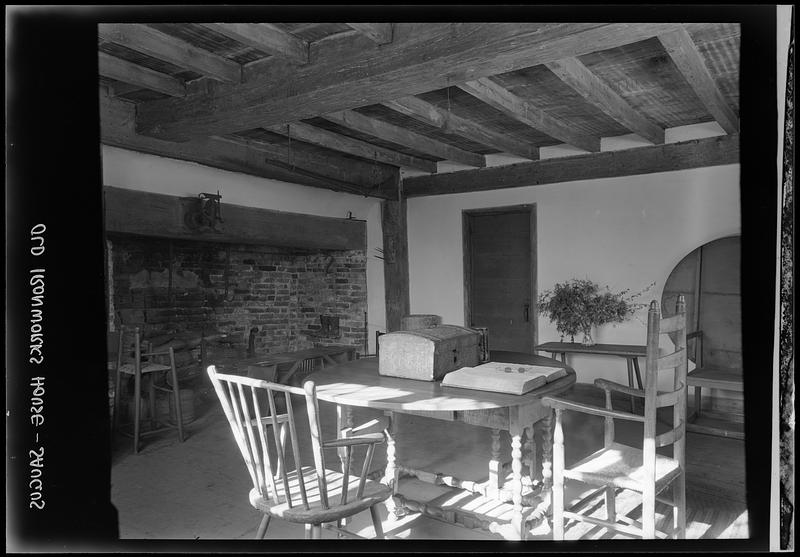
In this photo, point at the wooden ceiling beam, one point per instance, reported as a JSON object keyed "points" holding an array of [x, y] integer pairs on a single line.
{"points": [[156, 44], [139, 76], [320, 163], [423, 111], [344, 75], [712, 151], [351, 146], [379, 33], [572, 72], [684, 54], [118, 89], [248, 156], [266, 38], [521, 110], [401, 136]]}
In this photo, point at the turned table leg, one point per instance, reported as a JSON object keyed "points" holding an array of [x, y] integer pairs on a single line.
{"points": [[515, 530], [391, 476], [495, 466], [546, 427]]}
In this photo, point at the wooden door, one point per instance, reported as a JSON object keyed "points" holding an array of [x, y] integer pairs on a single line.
{"points": [[499, 275]]}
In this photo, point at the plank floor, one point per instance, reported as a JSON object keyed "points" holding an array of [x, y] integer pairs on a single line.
{"points": [[198, 489]]}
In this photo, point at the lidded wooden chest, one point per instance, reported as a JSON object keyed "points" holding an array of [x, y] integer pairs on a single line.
{"points": [[427, 354]]}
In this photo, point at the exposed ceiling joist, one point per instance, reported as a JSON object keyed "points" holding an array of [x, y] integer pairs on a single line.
{"points": [[421, 57], [425, 112], [266, 38], [239, 154], [572, 72], [380, 33], [156, 44], [351, 146], [521, 110], [696, 153], [684, 54], [139, 76], [401, 136]]}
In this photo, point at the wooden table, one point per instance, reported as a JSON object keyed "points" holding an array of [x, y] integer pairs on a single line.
{"points": [[358, 383], [631, 353]]}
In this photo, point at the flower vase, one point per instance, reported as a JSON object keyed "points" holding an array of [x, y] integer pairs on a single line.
{"points": [[587, 337]]}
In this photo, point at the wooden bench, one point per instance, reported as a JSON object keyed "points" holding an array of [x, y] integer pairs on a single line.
{"points": [[709, 279], [709, 421]]}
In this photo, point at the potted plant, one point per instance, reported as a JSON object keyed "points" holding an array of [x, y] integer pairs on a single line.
{"points": [[579, 304]]}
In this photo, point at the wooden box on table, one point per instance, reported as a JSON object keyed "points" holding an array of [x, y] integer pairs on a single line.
{"points": [[427, 354]]}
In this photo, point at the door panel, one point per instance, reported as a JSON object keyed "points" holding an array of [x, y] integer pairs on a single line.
{"points": [[500, 277]]}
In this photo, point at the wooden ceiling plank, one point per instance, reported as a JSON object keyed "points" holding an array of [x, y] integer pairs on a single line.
{"points": [[358, 148], [572, 72], [521, 110], [132, 74], [712, 151], [401, 136], [423, 111], [380, 33], [684, 54], [345, 75], [238, 154], [159, 45], [266, 38]]}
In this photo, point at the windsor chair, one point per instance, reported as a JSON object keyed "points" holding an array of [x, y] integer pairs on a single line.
{"points": [[311, 494], [641, 469]]}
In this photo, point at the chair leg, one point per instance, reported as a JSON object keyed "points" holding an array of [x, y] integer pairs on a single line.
{"points": [[376, 522], [649, 513], [316, 531], [151, 393], [611, 506], [137, 403], [176, 391], [117, 385], [679, 513], [262, 528], [698, 399]]}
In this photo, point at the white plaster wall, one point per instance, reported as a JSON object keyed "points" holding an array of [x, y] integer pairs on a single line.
{"points": [[137, 171], [621, 232]]}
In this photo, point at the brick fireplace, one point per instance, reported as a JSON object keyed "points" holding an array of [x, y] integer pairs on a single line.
{"points": [[278, 299]]}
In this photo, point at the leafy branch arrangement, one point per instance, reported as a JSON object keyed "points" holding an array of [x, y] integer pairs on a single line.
{"points": [[578, 304]]}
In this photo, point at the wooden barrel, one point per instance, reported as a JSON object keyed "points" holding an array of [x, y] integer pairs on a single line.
{"points": [[417, 321]]}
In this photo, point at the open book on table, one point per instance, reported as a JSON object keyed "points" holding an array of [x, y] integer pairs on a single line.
{"points": [[515, 379]]}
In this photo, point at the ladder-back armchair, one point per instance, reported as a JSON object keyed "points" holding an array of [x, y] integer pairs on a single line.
{"points": [[640, 469]]}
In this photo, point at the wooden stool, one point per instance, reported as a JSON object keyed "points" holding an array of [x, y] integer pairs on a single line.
{"points": [[146, 371]]}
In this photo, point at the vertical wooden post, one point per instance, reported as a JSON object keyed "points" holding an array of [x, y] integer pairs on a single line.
{"points": [[395, 259]]}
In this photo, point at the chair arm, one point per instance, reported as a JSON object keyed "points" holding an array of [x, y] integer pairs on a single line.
{"points": [[694, 334], [562, 404], [369, 439], [607, 385]]}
